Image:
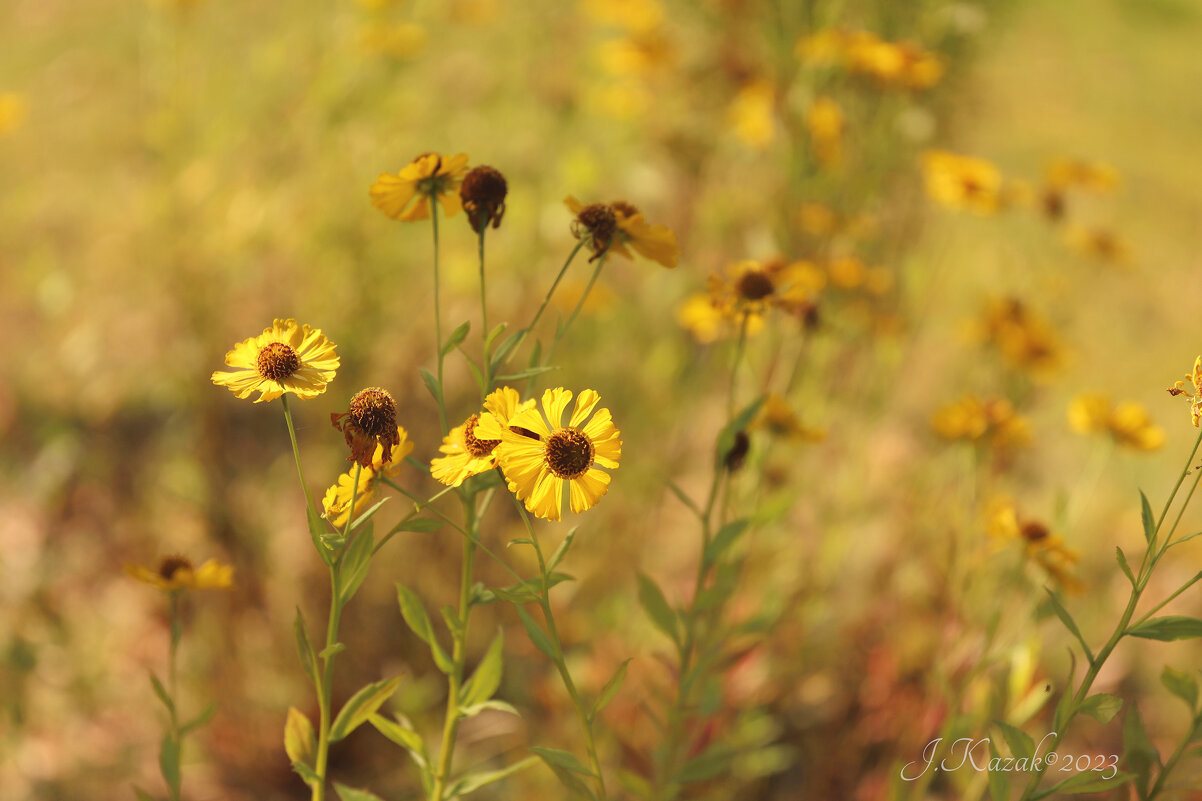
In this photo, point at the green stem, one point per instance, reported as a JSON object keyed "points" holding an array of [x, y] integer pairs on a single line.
{"points": [[296, 452], [1179, 752], [547, 299], [588, 288], [442, 412], [175, 633], [734, 371]]}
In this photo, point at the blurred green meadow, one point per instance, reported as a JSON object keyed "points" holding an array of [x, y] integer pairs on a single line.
{"points": [[179, 173]]}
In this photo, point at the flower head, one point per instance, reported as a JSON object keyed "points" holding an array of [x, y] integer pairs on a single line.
{"points": [[177, 573], [597, 221], [1127, 423], [992, 421], [778, 419], [483, 196], [1194, 393], [429, 176], [540, 454], [286, 357], [1094, 177], [654, 242], [466, 453], [370, 420], [1024, 339], [1099, 243], [337, 501], [963, 183], [1046, 549], [824, 124]]}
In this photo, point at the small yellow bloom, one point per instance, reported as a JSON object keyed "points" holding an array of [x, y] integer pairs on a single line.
{"points": [[1127, 422], [824, 123], [467, 454], [962, 183], [337, 500], [631, 15], [637, 55], [894, 64], [752, 114], [1194, 393], [177, 573], [1042, 546], [427, 176], [1095, 177], [993, 422], [286, 357], [1024, 339], [654, 242], [1099, 243], [540, 455], [13, 111], [778, 419]]}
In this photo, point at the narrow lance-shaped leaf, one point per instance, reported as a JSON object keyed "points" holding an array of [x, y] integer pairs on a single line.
{"points": [[1102, 707], [487, 677], [656, 606], [304, 648], [610, 689], [1169, 627], [361, 706], [1145, 513], [419, 622], [298, 737], [355, 563], [457, 336], [537, 636], [1069, 623]]}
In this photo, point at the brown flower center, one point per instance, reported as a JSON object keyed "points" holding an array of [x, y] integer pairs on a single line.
{"points": [[624, 209], [277, 361], [477, 447], [172, 565], [569, 453], [483, 193], [373, 411], [754, 285], [598, 221], [1034, 532]]}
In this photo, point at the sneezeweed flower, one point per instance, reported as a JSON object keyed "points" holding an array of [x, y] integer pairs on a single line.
{"points": [[992, 422], [637, 55], [778, 419], [1024, 339], [962, 183], [177, 573], [286, 357], [370, 420], [654, 242], [1046, 549], [406, 195], [337, 500], [402, 41], [483, 196], [1099, 243], [596, 221], [1194, 393], [466, 454], [1127, 423], [752, 114], [540, 455], [900, 65], [1094, 177], [824, 124]]}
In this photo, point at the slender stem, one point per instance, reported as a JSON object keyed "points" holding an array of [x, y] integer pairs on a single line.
{"points": [[442, 412], [485, 359], [1175, 758], [547, 299], [588, 288], [175, 633], [296, 451], [734, 370], [1168, 600]]}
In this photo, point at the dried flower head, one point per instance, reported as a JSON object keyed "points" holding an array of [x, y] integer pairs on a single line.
{"points": [[483, 195], [369, 421], [597, 221]]}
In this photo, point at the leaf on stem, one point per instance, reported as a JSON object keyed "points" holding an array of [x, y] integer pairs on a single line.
{"points": [[537, 636], [1126, 568], [1020, 743], [1066, 698], [726, 437], [169, 763], [564, 759], [1145, 514], [1140, 754], [419, 622], [609, 690], [456, 338], [361, 706], [999, 780], [1102, 707], [199, 720], [355, 563], [1182, 685], [421, 525], [304, 648], [432, 384], [474, 781], [319, 533], [298, 737], [726, 537], [1169, 627], [684, 498], [656, 606], [487, 676], [1069, 623], [161, 693], [350, 794], [562, 550]]}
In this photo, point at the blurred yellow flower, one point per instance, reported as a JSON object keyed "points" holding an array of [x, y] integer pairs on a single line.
{"points": [[466, 453], [1096, 177], [337, 500], [1024, 340], [824, 123], [1127, 422], [638, 55], [993, 422], [1194, 393], [1099, 243], [962, 183], [427, 176], [654, 242], [540, 455], [751, 114], [896, 64], [177, 573], [13, 111], [403, 40], [1041, 545], [778, 419], [631, 15], [286, 357]]}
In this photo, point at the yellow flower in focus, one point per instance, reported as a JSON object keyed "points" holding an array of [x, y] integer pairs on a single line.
{"points": [[751, 114], [779, 420], [337, 500], [654, 242], [1127, 422], [1099, 243], [286, 357], [467, 454], [962, 183], [1024, 340], [540, 455], [1042, 546], [177, 573], [13, 111], [1095, 177], [993, 422], [1194, 393], [427, 176], [824, 123]]}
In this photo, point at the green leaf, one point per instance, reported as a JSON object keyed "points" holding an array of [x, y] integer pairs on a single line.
{"points": [[367, 515], [361, 706], [1186, 538], [318, 533], [350, 794], [1102, 707], [537, 636], [332, 650], [419, 622], [726, 536], [142, 794], [529, 590], [457, 336], [1089, 782], [1182, 685], [1139, 753], [656, 606], [529, 372], [477, 376], [298, 737], [564, 759], [726, 579], [1145, 513], [307, 657], [1021, 744], [726, 437], [502, 351], [610, 689], [999, 780], [307, 774], [431, 384], [494, 704], [161, 692], [355, 563], [685, 499], [403, 736], [487, 677], [1170, 627], [169, 762], [713, 762], [474, 781], [562, 550], [421, 525], [1126, 568], [199, 720], [1066, 697], [1069, 623], [494, 333]]}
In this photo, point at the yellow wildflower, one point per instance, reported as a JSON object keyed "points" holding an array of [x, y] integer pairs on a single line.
{"points": [[1095, 177], [654, 242], [539, 454], [286, 357], [1099, 243], [337, 500], [993, 422], [1127, 422], [1024, 339], [637, 55], [1194, 393], [631, 15], [962, 183], [1041, 545], [777, 418], [427, 176], [751, 114], [13, 111], [896, 64], [467, 454], [177, 573], [824, 123]]}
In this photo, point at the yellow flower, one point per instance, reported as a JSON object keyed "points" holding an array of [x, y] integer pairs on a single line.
{"points": [[467, 454], [1024, 340], [177, 573], [1127, 422], [286, 357], [1095, 177], [654, 242], [897, 64], [700, 317], [1194, 393], [540, 455], [1041, 545], [402, 41], [427, 176], [631, 15], [637, 55], [962, 183], [1099, 243], [751, 114], [778, 419], [13, 112], [993, 422], [824, 123], [337, 500]]}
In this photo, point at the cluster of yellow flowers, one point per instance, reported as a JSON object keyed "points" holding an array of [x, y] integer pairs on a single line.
{"points": [[1127, 423], [901, 65], [992, 421], [749, 290], [1045, 548], [1025, 340]]}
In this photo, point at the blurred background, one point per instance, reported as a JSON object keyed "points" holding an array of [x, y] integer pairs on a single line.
{"points": [[176, 174]]}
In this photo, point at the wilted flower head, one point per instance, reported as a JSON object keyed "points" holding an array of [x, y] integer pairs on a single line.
{"points": [[369, 421], [597, 221], [654, 242], [1024, 339], [483, 195]]}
